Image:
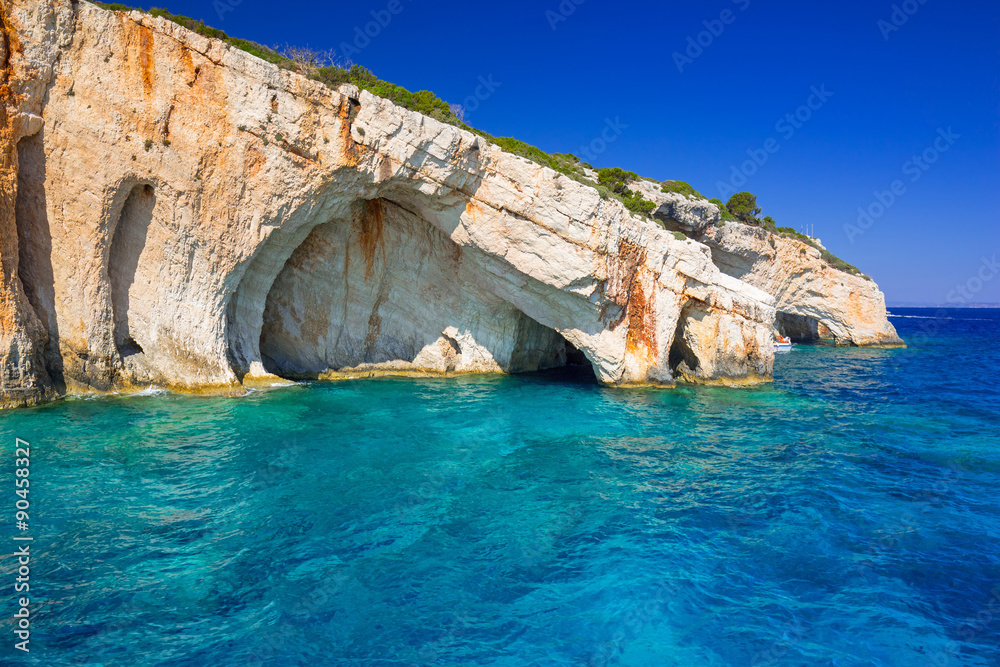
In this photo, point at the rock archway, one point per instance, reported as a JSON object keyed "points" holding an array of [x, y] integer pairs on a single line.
{"points": [[385, 290], [801, 328]]}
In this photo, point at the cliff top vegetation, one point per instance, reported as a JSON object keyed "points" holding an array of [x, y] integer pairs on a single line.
{"points": [[611, 183]]}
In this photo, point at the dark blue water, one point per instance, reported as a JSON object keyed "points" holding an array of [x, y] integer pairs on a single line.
{"points": [[849, 514]]}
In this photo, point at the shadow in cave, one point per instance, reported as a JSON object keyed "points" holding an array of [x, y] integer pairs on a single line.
{"points": [[34, 243], [127, 245], [386, 291], [802, 329], [682, 359], [577, 370]]}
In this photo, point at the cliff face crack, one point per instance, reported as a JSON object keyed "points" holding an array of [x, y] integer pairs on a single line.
{"points": [[348, 111], [4, 45], [34, 266], [375, 324], [165, 135]]}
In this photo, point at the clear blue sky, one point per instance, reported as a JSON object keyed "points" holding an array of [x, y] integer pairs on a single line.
{"points": [[892, 91]]}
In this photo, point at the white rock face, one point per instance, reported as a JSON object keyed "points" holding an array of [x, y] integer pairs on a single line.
{"points": [[813, 298], [181, 213], [690, 215]]}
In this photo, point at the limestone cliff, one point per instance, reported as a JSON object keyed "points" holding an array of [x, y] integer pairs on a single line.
{"points": [[178, 212], [813, 298]]}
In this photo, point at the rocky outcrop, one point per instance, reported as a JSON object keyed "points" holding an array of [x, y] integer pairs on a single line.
{"points": [[814, 299], [190, 216], [675, 212]]}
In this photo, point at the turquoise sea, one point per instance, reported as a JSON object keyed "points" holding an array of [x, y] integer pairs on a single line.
{"points": [[848, 514]]}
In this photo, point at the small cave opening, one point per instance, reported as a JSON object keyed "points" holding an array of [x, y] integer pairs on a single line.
{"points": [[578, 368], [682, 359], [545, 353], [672, 224], [127, 244], [575, 357], [801, 328]]}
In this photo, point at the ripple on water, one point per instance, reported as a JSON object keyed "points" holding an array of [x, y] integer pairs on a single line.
{"points": [[846, 514]]}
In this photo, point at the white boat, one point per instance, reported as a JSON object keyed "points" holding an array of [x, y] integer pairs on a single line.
{"points": [[782, 344]]}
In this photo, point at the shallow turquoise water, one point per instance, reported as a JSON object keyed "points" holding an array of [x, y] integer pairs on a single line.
{"points": [[847, 515]]}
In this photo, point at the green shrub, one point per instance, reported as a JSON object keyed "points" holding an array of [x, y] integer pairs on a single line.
{"points": [[682, 188], [166, 142], [679, 236], [566, 157], [743, 205], [616, 180], [837, 262], [640, 205], [726, 215], [148, 144]]}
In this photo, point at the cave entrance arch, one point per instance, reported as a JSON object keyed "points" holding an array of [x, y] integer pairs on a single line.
{"points": [[127, 244], [384, 289], [802, 328]]}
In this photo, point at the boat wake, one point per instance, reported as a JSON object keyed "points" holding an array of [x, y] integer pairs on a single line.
{"points": [[931, 317]]}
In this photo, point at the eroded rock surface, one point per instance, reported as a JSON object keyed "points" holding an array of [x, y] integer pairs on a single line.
{"points": [[814, 299], [178, 212]]}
